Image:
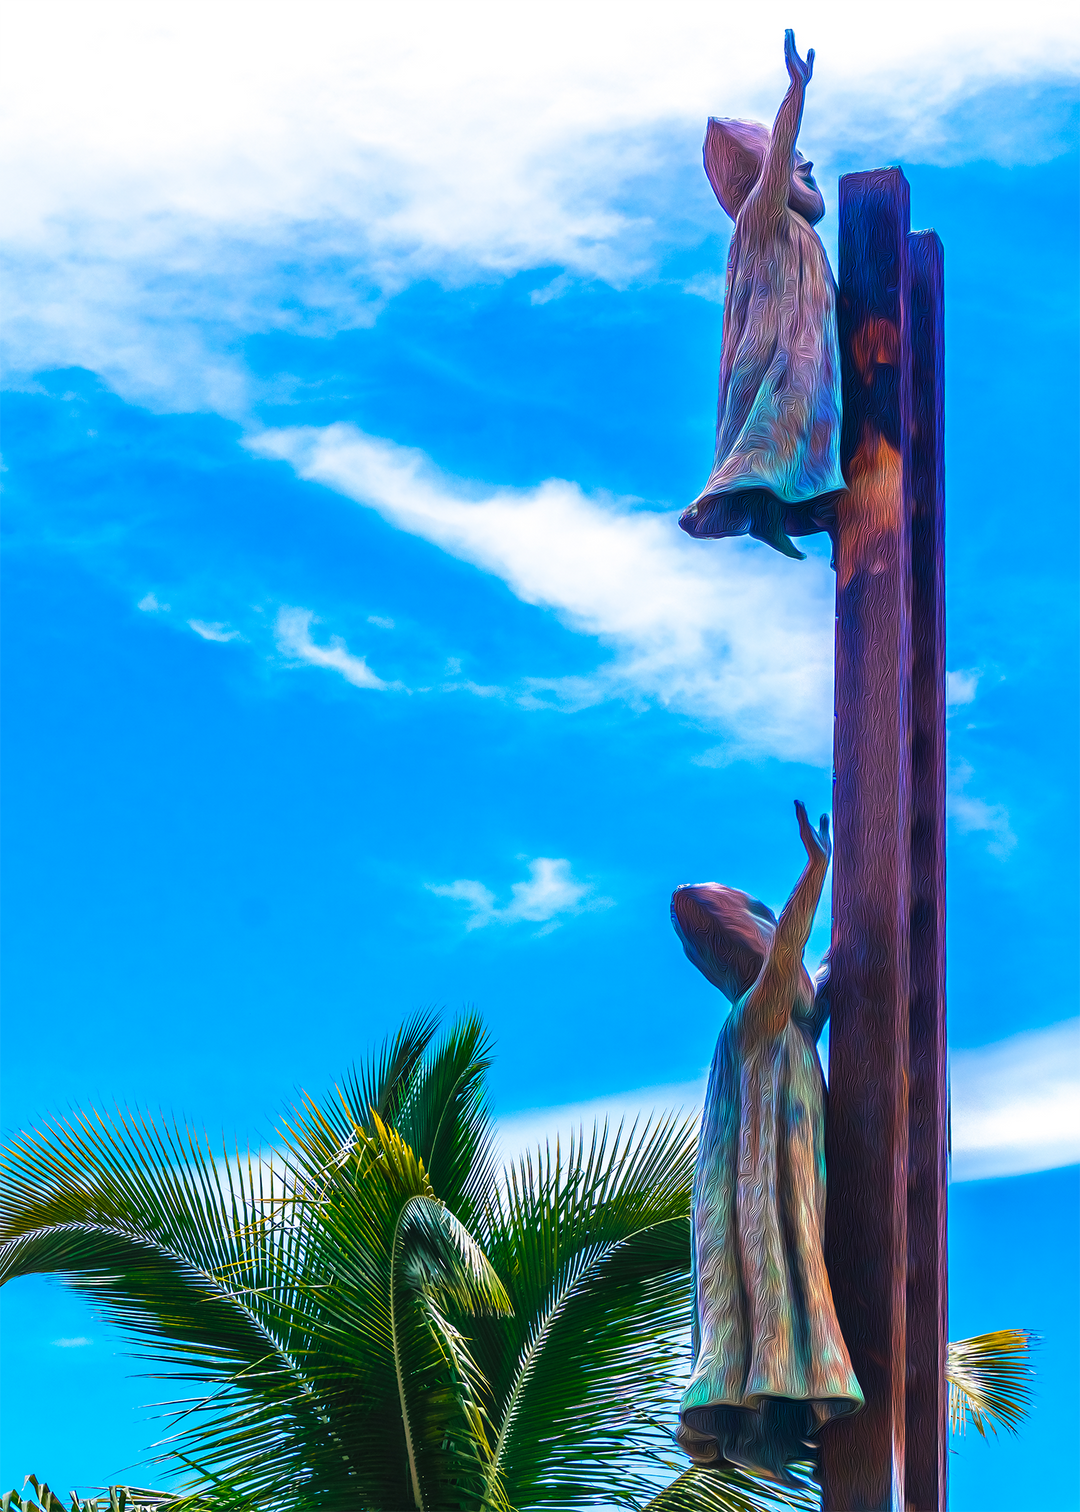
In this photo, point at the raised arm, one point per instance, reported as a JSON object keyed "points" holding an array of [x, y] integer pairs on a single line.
{"points": [[770, 1001], [771, 192]]}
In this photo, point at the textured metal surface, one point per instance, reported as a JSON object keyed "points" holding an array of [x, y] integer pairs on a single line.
{"points": [[927, 1282], [867, 1121]]}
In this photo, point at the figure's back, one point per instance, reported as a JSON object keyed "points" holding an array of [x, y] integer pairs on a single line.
{"points": [[778, 417], [776, 471], [765, 1326]]}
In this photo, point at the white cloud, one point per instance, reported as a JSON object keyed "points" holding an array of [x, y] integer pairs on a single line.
{"points": [[481, 899], [175, 175], [149, 604], [78, 1343], [1015, 1107], [1016, 1104], [533, 1128], [961, 686], [974, 815], [213, 632], [726, 631], [293, 631], [380, 620], [710, 286], [550, 890]]}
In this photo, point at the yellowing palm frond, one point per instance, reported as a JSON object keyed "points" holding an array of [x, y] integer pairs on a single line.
{"points": [[990, 1380]]}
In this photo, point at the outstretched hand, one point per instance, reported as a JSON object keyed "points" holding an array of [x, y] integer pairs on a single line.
{"points": [[798, 71], [817, 842]]}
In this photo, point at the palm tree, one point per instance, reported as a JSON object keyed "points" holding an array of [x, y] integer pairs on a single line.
{"points": [[377, 1317]]}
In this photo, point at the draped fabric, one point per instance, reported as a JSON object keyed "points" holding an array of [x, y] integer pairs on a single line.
{"points": [[777, 465], [770, 1364]]}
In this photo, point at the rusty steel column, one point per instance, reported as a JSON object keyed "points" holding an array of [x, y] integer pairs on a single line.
{"points": [[863, 1457], [927, 1279]]}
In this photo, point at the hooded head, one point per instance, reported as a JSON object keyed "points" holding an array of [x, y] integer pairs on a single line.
{"points": [[734, 154], [725, 933]]}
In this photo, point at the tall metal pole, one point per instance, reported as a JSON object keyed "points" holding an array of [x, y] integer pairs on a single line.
{"points": [[887, 1117], [927, 1257], [863, 1458]]}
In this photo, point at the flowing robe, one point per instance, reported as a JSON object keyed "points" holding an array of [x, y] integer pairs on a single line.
{"points": [[770, 1363], [777, 466]]}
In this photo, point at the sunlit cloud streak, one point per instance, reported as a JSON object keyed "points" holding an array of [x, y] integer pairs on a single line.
{"points": [[1016, 1104], [974, 815], [1015, 1107], [731, 634], [175, 177], [292, 630], [214, 632], [550, 891]]}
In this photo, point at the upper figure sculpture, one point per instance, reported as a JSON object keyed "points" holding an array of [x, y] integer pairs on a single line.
{"points": [[770, 1364], [777, 468]]}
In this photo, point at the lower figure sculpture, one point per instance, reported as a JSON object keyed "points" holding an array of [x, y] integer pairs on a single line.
{"points": [[770, 1364]]}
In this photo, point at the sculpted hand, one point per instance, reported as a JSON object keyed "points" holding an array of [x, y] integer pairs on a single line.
{"points": [[798, 71], [818, 845]]}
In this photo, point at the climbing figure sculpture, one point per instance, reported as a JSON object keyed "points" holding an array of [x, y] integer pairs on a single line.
{"points": [[770, 1364], [777, 468]]}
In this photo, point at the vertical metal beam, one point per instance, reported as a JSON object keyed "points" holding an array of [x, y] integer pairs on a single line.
{"points": [[862, 1458], [927, 1279]]}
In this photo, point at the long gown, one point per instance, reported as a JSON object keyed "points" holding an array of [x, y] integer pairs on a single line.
{"points": [[777, 467], [770, 1363]]}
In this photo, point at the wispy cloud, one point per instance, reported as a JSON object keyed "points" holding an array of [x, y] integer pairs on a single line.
{"points": [[533, 1128], [1016, 1104], [293, 632], [77, 1343], [1015, 1107], [961, 686], [729, 633], [973, 815], [146, 235], [213, 632], [550, 891], [149, 604]]}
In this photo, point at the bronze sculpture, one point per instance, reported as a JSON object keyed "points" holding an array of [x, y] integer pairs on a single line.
{"points": [[777, 467], [770, 1363], [831, 418]]}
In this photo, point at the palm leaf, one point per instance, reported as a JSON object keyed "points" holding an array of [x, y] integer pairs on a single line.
{"points": [[112, 1499], [388, 1264], [446, 1120], [594, 1248], [990, 1380], [733, 1491], [147, 1221], [382, 1083]]}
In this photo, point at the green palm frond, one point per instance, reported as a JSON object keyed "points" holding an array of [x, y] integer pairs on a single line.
{"points": [[389, 1270], [732, 1491], [110, 1499], [594, 1247], [434, 1096], [990, 1380], [155, 1228], [382, 1083]]}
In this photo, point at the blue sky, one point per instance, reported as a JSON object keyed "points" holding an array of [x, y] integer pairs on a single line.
{"points": [[358, 362]]}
